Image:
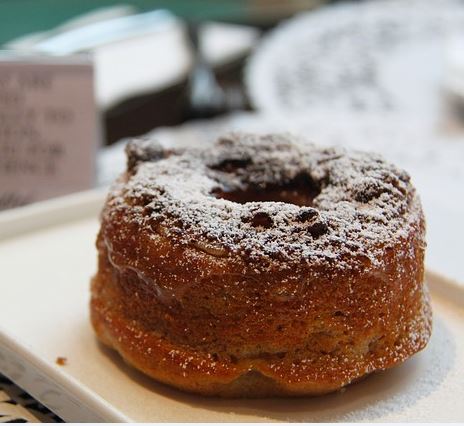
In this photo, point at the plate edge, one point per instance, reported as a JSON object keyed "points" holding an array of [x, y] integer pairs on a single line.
{"points": [[48, 381]]}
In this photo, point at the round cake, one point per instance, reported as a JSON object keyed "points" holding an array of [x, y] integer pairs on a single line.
{"points": [[260, 266]]}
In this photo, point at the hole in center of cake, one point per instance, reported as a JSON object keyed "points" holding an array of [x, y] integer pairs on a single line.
{"points": [[301, 191]]}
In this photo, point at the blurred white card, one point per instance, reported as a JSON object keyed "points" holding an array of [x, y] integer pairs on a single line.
{"points": [[49, 127]]}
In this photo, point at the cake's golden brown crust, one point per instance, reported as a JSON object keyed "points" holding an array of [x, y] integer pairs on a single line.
{"points": [[189, 305]]}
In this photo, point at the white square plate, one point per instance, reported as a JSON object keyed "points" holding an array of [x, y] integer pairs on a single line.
{"points": [[47, 257]]}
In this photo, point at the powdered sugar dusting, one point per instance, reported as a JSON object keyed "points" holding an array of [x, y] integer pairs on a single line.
{"points": [[363, 202]]}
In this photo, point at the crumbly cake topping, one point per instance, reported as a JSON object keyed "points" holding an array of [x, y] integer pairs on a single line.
{"points": [[343, 205]]}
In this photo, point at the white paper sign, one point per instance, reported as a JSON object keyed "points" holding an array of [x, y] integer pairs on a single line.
{"points": [[49, 130]]}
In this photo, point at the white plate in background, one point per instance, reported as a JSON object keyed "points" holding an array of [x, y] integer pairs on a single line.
{"points": [[385, 56]]}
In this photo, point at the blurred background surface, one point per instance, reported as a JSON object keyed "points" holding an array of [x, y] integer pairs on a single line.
{"points": [[151, 51]]}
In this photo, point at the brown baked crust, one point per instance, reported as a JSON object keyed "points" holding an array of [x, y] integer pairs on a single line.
{"points": [[215, 317]]}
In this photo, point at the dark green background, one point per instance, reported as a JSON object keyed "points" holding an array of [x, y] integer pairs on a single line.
{"points": [[18, 17]]}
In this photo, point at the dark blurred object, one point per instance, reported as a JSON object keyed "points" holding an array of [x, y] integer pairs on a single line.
{"points": [[141, 114], [205, 97]]}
